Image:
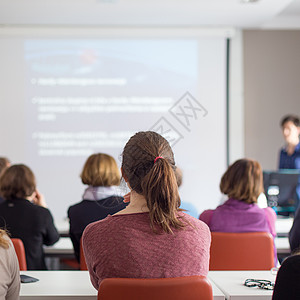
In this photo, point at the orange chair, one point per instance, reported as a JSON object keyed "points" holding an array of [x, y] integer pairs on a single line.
{"points": [[241, 251], [20, 251], [191, 287], [83, 266]]}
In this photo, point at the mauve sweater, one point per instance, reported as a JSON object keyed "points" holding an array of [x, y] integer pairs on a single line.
{"points": [[125, 246]]}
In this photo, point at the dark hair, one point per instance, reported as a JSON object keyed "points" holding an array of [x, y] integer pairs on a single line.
{"points": [[155, 180], [17, 181], [290, 118], [243, 181], [100, 170]]}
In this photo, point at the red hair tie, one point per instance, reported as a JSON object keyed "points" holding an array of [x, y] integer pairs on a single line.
{"points": [[157, 158]]}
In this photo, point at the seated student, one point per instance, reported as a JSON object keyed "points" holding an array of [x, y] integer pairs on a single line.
{"points": [[151, 237], [24, 214], [287, 281], [101, 174], [242, 183], [9, 269], [4, 164]]}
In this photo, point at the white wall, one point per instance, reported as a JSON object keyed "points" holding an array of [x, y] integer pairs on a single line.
{"points": [[236, 99], [272, 90]]}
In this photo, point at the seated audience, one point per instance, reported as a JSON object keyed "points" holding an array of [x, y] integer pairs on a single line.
{"points": [[24, 214], [4, 163], [242, 183], [151, 237], [100, 199], [9, 269], [287, 280]]}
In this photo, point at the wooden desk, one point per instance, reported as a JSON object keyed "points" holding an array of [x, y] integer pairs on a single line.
{"points": [[63, 285], [58, 285], [231, 283]]}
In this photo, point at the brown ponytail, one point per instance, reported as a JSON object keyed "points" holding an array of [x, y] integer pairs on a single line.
{"points": [[156, 181]]}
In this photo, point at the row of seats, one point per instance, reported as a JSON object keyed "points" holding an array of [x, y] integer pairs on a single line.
{"points": [[191, 287], [229, 251]]}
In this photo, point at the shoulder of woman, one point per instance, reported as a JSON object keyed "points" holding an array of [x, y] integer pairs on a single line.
{"points": [[94, 226], [206, 216], [270, 212]]}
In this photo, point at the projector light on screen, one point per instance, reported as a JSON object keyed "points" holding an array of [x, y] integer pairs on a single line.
{"points": [[68, 98]]}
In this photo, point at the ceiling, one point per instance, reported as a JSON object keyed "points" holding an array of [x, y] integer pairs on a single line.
{"points": [[273, 14]]}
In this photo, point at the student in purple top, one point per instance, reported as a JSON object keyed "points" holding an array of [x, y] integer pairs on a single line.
{"points": [[242, 183]]}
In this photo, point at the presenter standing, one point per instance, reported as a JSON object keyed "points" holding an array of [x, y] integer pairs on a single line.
{"points": [[290, 153], [290, 159]]}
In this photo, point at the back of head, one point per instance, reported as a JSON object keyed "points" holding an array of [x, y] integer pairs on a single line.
{"points": [[149, 167], [243, 181], [100, 170], [17, 181], [290, 118]]}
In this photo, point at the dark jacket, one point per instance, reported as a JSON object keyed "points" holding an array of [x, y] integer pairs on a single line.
{"points": [[287, 285], [31, 223], [86, 212], [294, 234]]}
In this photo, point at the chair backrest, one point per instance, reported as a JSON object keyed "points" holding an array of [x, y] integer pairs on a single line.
{"points": [[83, 266], [241, 251], [20, 251], [179, 288]]}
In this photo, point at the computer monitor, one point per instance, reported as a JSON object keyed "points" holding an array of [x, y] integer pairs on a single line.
{"points": [[280, 189]]}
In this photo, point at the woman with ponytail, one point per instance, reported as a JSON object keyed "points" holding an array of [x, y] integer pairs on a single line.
{"points": [[151, 237]]}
